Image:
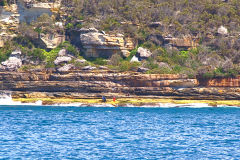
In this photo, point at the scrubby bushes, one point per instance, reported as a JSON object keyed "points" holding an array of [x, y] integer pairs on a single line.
{"points": [[37, 54], [3, 3], [6, 51]]}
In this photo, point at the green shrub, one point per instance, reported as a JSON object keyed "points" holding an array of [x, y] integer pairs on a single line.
{"points": [[151, 64], [132, 53], [184, 54], [177, 69], [208, 75], [110, 23], [219, 73], [70, 48], [232, 73], [23, 41], [115, 60], [3, 3], [37, 54], [162, 70], [125, 66], [50, 57], [4, 55], [69, 26], [99, 61], [128, 66]]}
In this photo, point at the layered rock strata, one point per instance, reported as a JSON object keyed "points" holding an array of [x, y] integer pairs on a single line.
{"points": [[83, 84], [100, 44]]}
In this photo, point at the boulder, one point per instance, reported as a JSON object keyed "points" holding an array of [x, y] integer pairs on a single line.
{"points": [[62, 52], [81, 61], [222, 30], [142, 69], [12, 63], [134, 59], [143, 52], [88, 68], [63, 59], [16, 53], [103, 67], [65, 68], [155, 24]]}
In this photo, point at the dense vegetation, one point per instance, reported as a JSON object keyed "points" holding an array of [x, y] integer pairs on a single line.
{"points": [[217, 55]]}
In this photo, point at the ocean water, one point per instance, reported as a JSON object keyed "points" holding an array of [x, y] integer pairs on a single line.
{"points": [[48, 132]]}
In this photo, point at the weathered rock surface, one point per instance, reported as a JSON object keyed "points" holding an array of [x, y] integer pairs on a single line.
{"points": [[100, 44], [62, 52], [221, 82], [80, 83], [89, 68], [222, 30], [143, 53], [27, 11], [142, 69], [63, 59], [81, 61], [134, 59], [65, 68], [52, 40], [186, 41], [13, 62]]}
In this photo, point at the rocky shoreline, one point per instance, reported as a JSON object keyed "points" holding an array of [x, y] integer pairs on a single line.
{"points": [[89, 86]]}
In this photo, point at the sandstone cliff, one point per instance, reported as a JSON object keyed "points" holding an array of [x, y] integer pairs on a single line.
{"points": [[82, 84]]}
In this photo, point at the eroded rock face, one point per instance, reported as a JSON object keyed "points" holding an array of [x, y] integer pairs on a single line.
{"points": [[27, 11], [89, 83], [221, 82], [51, 41], [185, 42], [100, 44], [86, 83]]}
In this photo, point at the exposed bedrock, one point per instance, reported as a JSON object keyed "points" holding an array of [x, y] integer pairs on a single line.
{"points": [[93, 84]]}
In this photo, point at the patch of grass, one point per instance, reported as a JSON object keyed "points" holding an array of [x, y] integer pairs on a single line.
{"points": [[97, 61]]}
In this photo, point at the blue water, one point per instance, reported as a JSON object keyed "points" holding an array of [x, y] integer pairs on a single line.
{"points": [[29, 132]]}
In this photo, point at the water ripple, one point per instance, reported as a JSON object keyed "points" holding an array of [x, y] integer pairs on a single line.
{"points": [[31, 132]]}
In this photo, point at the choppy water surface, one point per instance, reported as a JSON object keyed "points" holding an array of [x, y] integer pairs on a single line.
{"points": [[31, 132]]}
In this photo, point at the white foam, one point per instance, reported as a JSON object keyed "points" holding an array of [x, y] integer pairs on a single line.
{"points": [[6, 100]]}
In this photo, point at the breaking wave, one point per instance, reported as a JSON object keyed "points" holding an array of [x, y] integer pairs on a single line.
{"points": [[6, 100]]}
